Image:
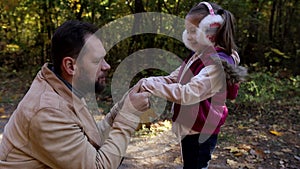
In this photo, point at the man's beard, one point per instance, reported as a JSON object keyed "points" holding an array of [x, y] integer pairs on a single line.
{"points": [[99, 87], [85, 85]]}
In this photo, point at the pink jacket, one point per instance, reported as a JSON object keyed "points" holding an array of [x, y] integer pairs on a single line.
{"points": [[198, 92]]}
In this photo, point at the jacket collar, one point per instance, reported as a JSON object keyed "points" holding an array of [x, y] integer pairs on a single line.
{"points": [[75, 91], [79, 104]]}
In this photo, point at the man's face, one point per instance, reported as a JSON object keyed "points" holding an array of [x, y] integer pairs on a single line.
{"points": [[92, 67]]}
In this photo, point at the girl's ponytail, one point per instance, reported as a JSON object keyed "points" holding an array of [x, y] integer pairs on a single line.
{"points": [[225, 34]]}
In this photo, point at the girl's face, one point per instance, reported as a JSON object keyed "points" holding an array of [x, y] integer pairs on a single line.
{"points": [[190, 34], [193, 37]]}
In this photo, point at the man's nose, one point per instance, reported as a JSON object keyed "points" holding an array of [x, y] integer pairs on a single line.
{"points": [[105, 66]]}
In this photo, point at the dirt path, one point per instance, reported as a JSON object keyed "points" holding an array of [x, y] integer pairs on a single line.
{"points": [[252, 142], [260, 139], [250, 139], [159, 152]]}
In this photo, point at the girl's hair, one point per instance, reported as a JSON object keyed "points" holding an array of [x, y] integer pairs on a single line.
{"points": [[225, 34]]}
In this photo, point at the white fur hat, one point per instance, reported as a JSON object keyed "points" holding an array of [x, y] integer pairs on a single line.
{"points": [[209, 26]]}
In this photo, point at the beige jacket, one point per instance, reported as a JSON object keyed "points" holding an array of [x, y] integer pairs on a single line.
{"points": [[52, 128]]}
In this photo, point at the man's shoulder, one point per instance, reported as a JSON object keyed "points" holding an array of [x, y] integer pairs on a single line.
{"points": [[50, 99], [40, 96], [45, 106]]}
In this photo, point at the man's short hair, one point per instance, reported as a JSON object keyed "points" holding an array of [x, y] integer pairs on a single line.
{"points": [[68, 40]]}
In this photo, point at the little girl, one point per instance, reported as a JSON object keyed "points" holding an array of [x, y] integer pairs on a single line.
{"points": [[201, 85]]}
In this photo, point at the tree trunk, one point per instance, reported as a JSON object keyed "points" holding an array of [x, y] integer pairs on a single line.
{"points": [[138, 8], [280, 26], [272, 20]]}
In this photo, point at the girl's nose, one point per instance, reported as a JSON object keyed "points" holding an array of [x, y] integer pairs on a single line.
{"points": [[189, 36]]}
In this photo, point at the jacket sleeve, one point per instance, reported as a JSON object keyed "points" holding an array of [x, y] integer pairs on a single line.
{"points": [[58, 141], [172, 78], [105, 125], [114, 147], [202, 86]]}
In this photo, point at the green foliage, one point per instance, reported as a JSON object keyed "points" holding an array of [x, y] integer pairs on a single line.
{"points": [[267, 31], [259, 89], [264, 87], [266, 34]]}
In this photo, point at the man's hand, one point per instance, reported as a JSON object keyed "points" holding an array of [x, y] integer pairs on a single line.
{"points": [[136, 102]]}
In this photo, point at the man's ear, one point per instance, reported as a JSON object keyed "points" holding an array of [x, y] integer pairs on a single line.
{"points": [[69, 65]]}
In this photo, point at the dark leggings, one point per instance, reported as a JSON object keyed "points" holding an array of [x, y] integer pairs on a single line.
{"points": [[197, 155]]}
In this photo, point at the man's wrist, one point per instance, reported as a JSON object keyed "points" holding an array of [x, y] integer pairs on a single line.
{"points": [[128, 119]]}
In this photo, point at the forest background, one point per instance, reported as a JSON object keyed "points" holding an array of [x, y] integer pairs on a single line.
{"points": [[267, 35]]}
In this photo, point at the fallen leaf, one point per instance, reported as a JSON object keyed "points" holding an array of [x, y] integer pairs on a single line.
{"points": [[238, 151], [257, 152], [2, 110], [293, 131], [286, 150], [297, 157], [232, 163], [238, 154], [278, 153], [252, 120], [276, 133], [241, 127], [244, 147], [231, 148], [260, 153], [213, 156], [4, 117], [178, 160]]}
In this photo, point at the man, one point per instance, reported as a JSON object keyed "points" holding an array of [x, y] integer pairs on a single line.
{"points": [[52, 127]]}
